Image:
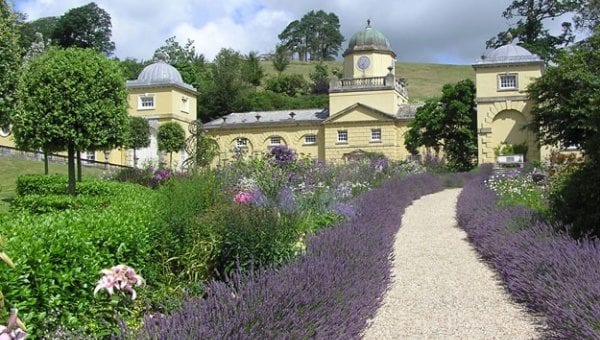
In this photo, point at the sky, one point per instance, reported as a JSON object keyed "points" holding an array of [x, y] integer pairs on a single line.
{"points": [[429, 31]]}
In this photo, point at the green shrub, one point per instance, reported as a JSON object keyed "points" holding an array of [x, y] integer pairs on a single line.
{"points": [[40, 204], [254, 236], [58, 257], [57, 185], [575, 198], [289, 84]]}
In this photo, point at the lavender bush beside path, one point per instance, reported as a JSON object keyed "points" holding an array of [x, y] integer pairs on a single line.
{"points": [[328, 292]]}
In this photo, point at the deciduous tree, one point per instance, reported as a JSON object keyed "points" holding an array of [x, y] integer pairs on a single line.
{"points": [[71, 99], [252, 72], [10, 62], [450, 123], [138, 135], [171, 138], [316, 36], [87, 26], [529, 28]]}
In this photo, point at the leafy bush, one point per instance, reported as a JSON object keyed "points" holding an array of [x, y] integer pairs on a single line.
{"points": [[57, 185], [328, 292], [575, 200], [40, 204], [547, 270], [505, 149], [289, 84], [58, 257], [518, 188]]}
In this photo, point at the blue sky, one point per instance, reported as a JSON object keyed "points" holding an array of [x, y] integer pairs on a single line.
{"points": [[435, 31]]}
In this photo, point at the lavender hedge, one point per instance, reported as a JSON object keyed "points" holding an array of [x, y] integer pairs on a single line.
{"points": [[329, 292], [547, 270]]}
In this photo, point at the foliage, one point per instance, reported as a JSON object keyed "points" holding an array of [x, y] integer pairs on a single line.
{"points": [[185, 59], [320, 79], [201, 148], [281, 60], [252, 71], [87, 26], [316, 36], [575, 200], [505, 149], [269, 101], [171, 138], [29, 30], [224, 91], [519, 189], [58, 256], [330, 291], [547, 270], [588, 15], [529, 28], [72, 100], [289, 84], [138, 135], [450, 122], [132, 67], [571, 119], [146, 176], [10, 63], [38, 47], [56, 185]]}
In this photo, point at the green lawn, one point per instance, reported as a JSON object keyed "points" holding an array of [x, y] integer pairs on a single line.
{"points": [[11, 168], [424, 80]]}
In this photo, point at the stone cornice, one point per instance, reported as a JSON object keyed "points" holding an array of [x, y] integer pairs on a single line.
{"points": [[500, 99]]}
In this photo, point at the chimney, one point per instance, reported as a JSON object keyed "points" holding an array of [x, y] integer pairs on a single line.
{"points": [[257, 117], [292, 114]]}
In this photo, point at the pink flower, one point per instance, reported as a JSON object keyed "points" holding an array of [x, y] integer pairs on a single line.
{"points": [[243, 197], [121, 278]]}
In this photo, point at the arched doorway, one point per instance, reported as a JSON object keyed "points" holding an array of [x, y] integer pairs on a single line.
{"points": [[510, 127]]}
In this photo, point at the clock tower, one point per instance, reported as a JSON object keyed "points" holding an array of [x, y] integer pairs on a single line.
{"points": [[368, 54]]}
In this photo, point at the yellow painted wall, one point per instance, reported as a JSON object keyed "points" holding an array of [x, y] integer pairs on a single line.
{"points": [[377, 68], [387, 101], [486, 79], [259, 139], [166, 100]]}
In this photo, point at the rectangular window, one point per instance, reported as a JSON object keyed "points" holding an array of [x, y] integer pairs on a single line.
{"points": [[507, 82], [185, 104], [275, 140], [375, 135], [145, 102], [342, 136], [310, 139]]}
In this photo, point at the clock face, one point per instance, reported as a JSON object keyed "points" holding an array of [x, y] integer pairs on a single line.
{"points": [[363, 63]]}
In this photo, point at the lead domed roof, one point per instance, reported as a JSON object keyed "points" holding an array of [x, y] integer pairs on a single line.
{"points": [[368, 39], [159, 74], [509, 54]]}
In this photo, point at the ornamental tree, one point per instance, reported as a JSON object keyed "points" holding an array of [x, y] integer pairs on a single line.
{"points": [[139, 135], [10, 62], [171, 137], [73, 100]]}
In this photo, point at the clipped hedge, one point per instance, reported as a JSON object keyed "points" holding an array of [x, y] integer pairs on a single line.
{"points": [[58, 185], [547, 270], [58, 257], [329, 292]]}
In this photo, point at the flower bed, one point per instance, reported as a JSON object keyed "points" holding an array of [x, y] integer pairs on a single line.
{"points": [[548, 271], [329, 292]]}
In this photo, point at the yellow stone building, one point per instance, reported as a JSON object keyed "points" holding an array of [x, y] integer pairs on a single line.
{"points": [[368, 111], [503, 109], [159, 95]]}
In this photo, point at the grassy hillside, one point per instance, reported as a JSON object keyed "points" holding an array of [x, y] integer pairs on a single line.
{"points": [[424, 80], [11, 168]]}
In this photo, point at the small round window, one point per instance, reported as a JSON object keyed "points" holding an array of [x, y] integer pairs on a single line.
{"points": [[5, 132]]}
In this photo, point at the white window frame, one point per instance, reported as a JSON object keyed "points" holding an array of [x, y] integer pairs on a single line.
{"points": [[508, 81], [376, 135], [310, 139], [5, 132], [142, 105], [342, 136], [275, 141]]}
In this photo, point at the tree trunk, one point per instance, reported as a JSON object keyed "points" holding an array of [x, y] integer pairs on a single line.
{"points": [[46, 170], [78, 166], [71, 167], [134, 158], [170, 160]]}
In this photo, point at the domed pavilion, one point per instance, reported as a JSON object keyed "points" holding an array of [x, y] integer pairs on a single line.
{"points": [[503, 109]]}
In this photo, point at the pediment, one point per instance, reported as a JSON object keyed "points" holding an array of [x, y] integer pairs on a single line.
{"points": [[359, 113]]}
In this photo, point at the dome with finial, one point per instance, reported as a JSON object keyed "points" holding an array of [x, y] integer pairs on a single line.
{"points": [[159, 73], [369, 39], [509, 53]]}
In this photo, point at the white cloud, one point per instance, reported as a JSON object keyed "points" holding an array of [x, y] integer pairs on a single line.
{"points": [[424, 30]]}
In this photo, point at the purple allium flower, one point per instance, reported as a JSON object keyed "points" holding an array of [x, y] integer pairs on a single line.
{"points": [[282, 155]]}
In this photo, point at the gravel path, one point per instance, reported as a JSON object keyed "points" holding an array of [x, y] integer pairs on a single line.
{"points": [[440, 288]]}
